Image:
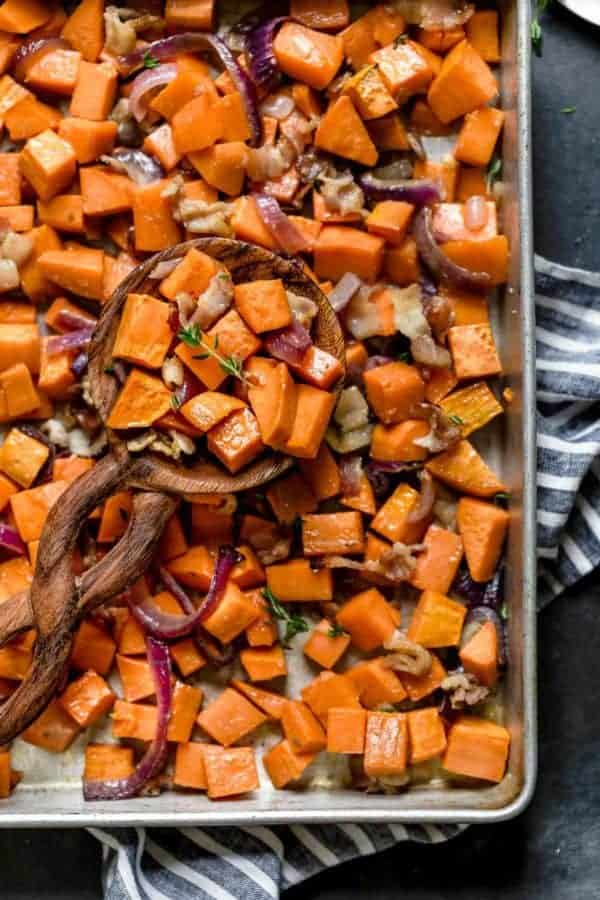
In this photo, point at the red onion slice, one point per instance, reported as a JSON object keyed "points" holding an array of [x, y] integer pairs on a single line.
{"points": [[10, 540], [165, 626], [137, 165], [288, 344], [155, 757], [72, 340], [80, 364], [69, 320], [262, 64], [374, 362], [201, 42], [144, 83], [440, 265], [375, 466], [290, 240], [418, 192], [344, 291]]}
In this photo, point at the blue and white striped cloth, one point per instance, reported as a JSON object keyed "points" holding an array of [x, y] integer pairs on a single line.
{"points": [[257, 863]]}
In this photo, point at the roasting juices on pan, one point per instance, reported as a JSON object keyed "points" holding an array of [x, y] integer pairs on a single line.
{"points": [[245, 354]]}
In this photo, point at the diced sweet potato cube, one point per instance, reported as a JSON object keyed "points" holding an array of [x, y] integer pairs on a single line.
{"points": [[313, 412], [90, 140], [94, 91], [340, 249], [302, 729], [143, 336], [322, 474], [10, 179], [232, 616], [229, 772], [390, 220], [143, 400], [262, 632], [284, 765], [105, 762], [474, 405], [391, 519], [403, 68], [273, 399], [437, 620], [186, 656], [479, 655], [478, 748], [474, 352], [308, 55], [346, 730], [396, 443], [136, 678], [191, 276], [342, 132], [236, 441], [329, 690], [230, 717], [271, 704], [369, 93], [483, 34], [438, 562], [325, 646], [54, 730], [386, 744], [22, 457], [295, 581], [93, 648], [393, 390], [478, 136], [419, 686], [340, 533], [368, 618], [376, 683], [153, 222], [194, 568], [464, 83], [290, 497], [263, 663], [482, 527], [30, 508], [207, 409], [189, 767], [79, 270], [462, 468], [48, 163], [319, 368], [87, 699], [105, 192], [426, 734], [263, 304]]}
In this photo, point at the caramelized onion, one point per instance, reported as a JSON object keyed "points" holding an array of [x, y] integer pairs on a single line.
{"points": [[441, 265]]}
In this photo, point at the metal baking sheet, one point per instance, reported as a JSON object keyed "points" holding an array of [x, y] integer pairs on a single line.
{"points": [[50, 794]]}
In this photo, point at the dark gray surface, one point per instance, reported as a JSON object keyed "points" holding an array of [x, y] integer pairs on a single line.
{"points": [[552, 851]]}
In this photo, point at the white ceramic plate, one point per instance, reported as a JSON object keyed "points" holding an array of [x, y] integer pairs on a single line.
{"points": [[587, 9]]}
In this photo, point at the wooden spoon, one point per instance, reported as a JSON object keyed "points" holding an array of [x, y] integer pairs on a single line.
{"points": [[245, 262]]}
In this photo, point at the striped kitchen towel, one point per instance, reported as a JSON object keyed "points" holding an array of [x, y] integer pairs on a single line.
{"points": [[256, 863]]}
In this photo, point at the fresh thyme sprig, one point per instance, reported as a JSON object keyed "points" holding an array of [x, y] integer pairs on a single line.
{"points": [[193, 337], [336, 630], [537, 38], [294, 624], [149, 61]]}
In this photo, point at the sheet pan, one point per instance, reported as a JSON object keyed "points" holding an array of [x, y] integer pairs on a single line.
{"points": [[50, 795]]}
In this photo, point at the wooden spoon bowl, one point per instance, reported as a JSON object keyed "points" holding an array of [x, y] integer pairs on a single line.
{"points": [[245, 262]]}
